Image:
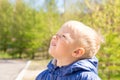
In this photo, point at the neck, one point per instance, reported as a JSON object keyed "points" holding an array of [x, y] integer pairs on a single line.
{"points": [[64, 62]]}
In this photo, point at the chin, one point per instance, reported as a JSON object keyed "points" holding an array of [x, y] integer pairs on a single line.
{"points": [[52, 53], [49, 50]]}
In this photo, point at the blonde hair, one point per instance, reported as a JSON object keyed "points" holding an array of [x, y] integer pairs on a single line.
{"points": [[85, 37]]}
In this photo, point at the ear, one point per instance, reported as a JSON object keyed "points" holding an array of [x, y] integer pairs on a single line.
{"points": [[78, 52]]}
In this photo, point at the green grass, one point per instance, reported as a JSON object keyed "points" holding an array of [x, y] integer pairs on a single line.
{"points": [[4, 55]]}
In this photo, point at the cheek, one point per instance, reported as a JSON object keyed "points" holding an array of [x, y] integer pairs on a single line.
{"points": [[61, 44], [63, 47]]}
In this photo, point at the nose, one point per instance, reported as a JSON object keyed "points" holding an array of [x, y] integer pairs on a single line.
{"points": [[55, 37]]}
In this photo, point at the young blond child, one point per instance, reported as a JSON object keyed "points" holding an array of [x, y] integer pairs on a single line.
{"points": [[73, 48]]}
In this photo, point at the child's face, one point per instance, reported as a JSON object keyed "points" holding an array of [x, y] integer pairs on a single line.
{"points": [[61, 45]]}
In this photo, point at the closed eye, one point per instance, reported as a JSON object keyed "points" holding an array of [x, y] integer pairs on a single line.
{"points": [[64, 36], [61, 36]]}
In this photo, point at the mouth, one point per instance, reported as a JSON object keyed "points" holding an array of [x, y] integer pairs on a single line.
{"points": [[53, 44]]}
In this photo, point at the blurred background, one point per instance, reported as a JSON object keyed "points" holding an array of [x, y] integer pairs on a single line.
{"points": [[26, 27]]}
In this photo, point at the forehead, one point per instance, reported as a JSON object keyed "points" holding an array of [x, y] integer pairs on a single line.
{"points": [[64, 30]]}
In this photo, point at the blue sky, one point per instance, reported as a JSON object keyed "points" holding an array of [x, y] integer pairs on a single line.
{"points": [[37, 4], [69, 4]]}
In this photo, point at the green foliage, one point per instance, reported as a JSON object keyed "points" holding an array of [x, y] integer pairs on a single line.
{"points": [[4, 55], [25, 31], [5, 20], [109, 63]]}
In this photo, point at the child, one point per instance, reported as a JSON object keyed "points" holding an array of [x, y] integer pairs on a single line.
{"points": [[73, 48]]}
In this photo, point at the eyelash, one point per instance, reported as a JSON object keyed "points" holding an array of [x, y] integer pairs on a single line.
{"points": [[64, 36], [61, 36]]}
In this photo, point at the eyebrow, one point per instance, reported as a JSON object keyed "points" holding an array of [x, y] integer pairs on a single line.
{"points": [[67, 35]]}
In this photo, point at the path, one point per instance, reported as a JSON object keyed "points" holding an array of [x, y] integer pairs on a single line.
{"points": [[10, 69]]}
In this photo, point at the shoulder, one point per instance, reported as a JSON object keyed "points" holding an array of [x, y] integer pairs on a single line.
{"points": [[42, 75], [88, 76]]}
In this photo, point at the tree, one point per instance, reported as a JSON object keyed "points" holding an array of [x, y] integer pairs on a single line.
{"points": [[5, 23]]}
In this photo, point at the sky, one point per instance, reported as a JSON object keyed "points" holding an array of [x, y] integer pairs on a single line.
{"points": [[37, 4]]}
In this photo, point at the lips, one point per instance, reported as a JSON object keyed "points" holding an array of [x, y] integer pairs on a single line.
{"points": [[53, 44]]}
